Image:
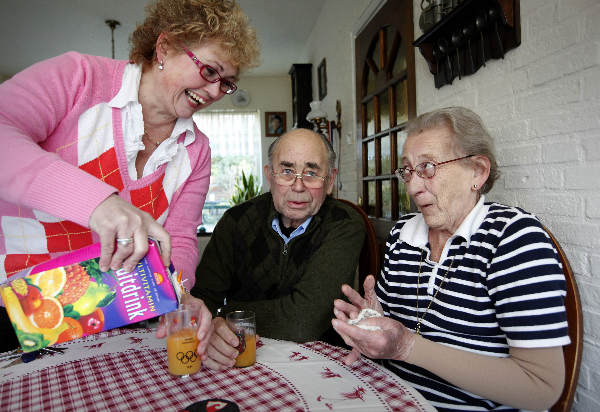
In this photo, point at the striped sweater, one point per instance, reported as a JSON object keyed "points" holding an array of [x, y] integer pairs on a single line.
{"points": [[504, 287]]}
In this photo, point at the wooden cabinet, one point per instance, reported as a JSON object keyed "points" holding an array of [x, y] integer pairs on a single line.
{"points": [[301, 76]]}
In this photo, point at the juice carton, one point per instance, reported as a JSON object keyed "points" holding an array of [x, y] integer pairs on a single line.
{"points": [[70, 297]]}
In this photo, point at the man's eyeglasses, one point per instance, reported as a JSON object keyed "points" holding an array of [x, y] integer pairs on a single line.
{"points": [[209, 74], [425, 170], [287, 177]]}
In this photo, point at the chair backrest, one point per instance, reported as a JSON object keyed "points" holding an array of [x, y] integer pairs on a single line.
{"points": [[369, 255], [573, 351]]}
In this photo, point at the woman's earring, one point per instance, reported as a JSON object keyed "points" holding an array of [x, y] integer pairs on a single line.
{"points": [[475, 186], [161, 65]]}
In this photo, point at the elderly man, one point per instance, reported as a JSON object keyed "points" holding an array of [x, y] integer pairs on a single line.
{"points": [[284, 254]]}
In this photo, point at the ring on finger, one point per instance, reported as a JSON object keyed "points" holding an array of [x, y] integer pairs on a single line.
{"points": [[124, 241]]}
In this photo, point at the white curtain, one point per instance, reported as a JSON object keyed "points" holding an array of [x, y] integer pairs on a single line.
{"points": [[232, 133], [235, 147]]}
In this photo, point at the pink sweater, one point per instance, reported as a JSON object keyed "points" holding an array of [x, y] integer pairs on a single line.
{"points": [[62, 153]]}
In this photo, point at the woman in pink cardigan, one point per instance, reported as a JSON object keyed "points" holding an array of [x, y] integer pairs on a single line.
{"points": [[95, 149]]}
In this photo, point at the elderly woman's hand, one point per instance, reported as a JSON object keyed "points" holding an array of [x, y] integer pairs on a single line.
{"points": [[344, 310], [203, 319], [116, 218], [392, 341]]}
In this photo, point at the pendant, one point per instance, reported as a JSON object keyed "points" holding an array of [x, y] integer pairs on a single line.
{"points": [[418, 329]]}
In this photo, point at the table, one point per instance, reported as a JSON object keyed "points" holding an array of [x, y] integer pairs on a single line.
{"points": [[126, 369]]}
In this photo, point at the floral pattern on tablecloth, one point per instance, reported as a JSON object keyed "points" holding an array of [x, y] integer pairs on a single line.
{"points": [[126, 369]]}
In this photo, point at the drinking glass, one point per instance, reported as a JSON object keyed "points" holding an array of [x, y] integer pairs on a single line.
{"points": [[243, 324], [182, 342]]}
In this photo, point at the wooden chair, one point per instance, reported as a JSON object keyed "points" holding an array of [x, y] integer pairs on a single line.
{"points": [[369, 255], [573, 351]]}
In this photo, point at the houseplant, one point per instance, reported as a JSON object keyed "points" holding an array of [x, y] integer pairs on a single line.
{"points": [[246, 187]]}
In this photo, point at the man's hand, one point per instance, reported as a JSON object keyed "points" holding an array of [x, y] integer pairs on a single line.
{"points": [[116, 218], [203, 320], [222, 347]]}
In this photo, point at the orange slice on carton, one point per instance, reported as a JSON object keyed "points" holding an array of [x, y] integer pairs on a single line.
{"points": [[49, 315], [51, 282]]}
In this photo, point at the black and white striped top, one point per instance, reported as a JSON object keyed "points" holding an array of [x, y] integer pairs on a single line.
{"points": [[505, 287]]}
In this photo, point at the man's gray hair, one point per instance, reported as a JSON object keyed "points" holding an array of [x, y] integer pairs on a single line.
{"points": [[468, 132], [331, 156]]}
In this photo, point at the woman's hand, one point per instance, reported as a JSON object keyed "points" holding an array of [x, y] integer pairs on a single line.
{"points": [[392, 341], [116, 218], [344, 310], [203, 319]]}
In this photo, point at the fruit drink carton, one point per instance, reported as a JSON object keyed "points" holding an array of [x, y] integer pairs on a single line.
{"points": [[70, 297]]}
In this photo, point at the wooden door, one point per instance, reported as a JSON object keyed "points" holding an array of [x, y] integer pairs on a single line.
{"points": [[385, 87]]}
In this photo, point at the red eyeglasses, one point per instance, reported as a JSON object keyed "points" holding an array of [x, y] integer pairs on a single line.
{"points": [[209, 74]]}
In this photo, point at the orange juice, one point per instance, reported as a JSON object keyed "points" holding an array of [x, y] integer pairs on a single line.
{"points": [[181, 352], [248, 356]]}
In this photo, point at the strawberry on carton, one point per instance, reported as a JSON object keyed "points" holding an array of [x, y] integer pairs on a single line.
{"points": [[70, 297]]}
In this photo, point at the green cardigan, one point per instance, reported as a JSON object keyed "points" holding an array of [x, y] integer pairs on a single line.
{"points": [[291, 288]]}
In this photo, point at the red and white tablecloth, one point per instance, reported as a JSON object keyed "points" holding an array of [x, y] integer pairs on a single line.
{"points": [[127, 370]]}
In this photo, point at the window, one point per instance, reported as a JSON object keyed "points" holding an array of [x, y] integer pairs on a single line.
{"points": [[235, 147], [385, 81]]}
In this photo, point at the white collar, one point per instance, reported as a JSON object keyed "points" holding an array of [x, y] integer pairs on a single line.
{"points": [[416, 232], [129, 87]]}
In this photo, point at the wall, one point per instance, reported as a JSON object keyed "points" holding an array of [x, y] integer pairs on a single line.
{"points": [[542, 104], [335, 43], [267, 94]]}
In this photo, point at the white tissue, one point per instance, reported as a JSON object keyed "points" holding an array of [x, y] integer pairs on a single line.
{"points": [[365, 314]]}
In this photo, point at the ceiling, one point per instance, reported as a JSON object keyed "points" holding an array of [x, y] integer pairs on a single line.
{"points": [[33, 30]]}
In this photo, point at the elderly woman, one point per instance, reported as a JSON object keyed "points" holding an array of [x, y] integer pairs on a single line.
{"points": [[95, 149], [471, 292]]}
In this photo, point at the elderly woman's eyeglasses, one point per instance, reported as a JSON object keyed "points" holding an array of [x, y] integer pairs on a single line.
{"points": [[425, 170], [209, 74], [287, 177]]}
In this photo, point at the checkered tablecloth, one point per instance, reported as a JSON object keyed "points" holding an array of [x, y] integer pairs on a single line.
{"points": [[127, 370]]}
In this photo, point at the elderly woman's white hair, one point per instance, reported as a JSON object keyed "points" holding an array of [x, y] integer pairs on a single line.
{"points": [[468, 132]]}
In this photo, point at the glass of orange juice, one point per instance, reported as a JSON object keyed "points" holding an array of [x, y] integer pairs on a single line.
{"points": [[243, 324], [182, 343]]}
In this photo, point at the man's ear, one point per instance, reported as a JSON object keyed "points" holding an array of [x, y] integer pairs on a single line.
{"points": [[331, 180], [268, 176]]}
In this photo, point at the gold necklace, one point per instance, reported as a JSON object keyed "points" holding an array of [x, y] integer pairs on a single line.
{"points": [[150, 139], [418, 328]]}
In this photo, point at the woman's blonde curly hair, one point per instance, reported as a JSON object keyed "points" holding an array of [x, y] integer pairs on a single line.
{"points": [[192, 22]]}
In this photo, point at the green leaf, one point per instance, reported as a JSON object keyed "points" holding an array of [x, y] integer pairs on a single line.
{"points": [[246, 188], [70, 313], [107, 300], [93, 269]]}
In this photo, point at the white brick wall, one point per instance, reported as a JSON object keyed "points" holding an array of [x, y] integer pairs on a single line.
{"points": [[542, 105]]}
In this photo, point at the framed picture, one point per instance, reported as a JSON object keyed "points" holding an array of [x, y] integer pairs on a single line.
{"points": [[322, 74], [274, 123]]}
